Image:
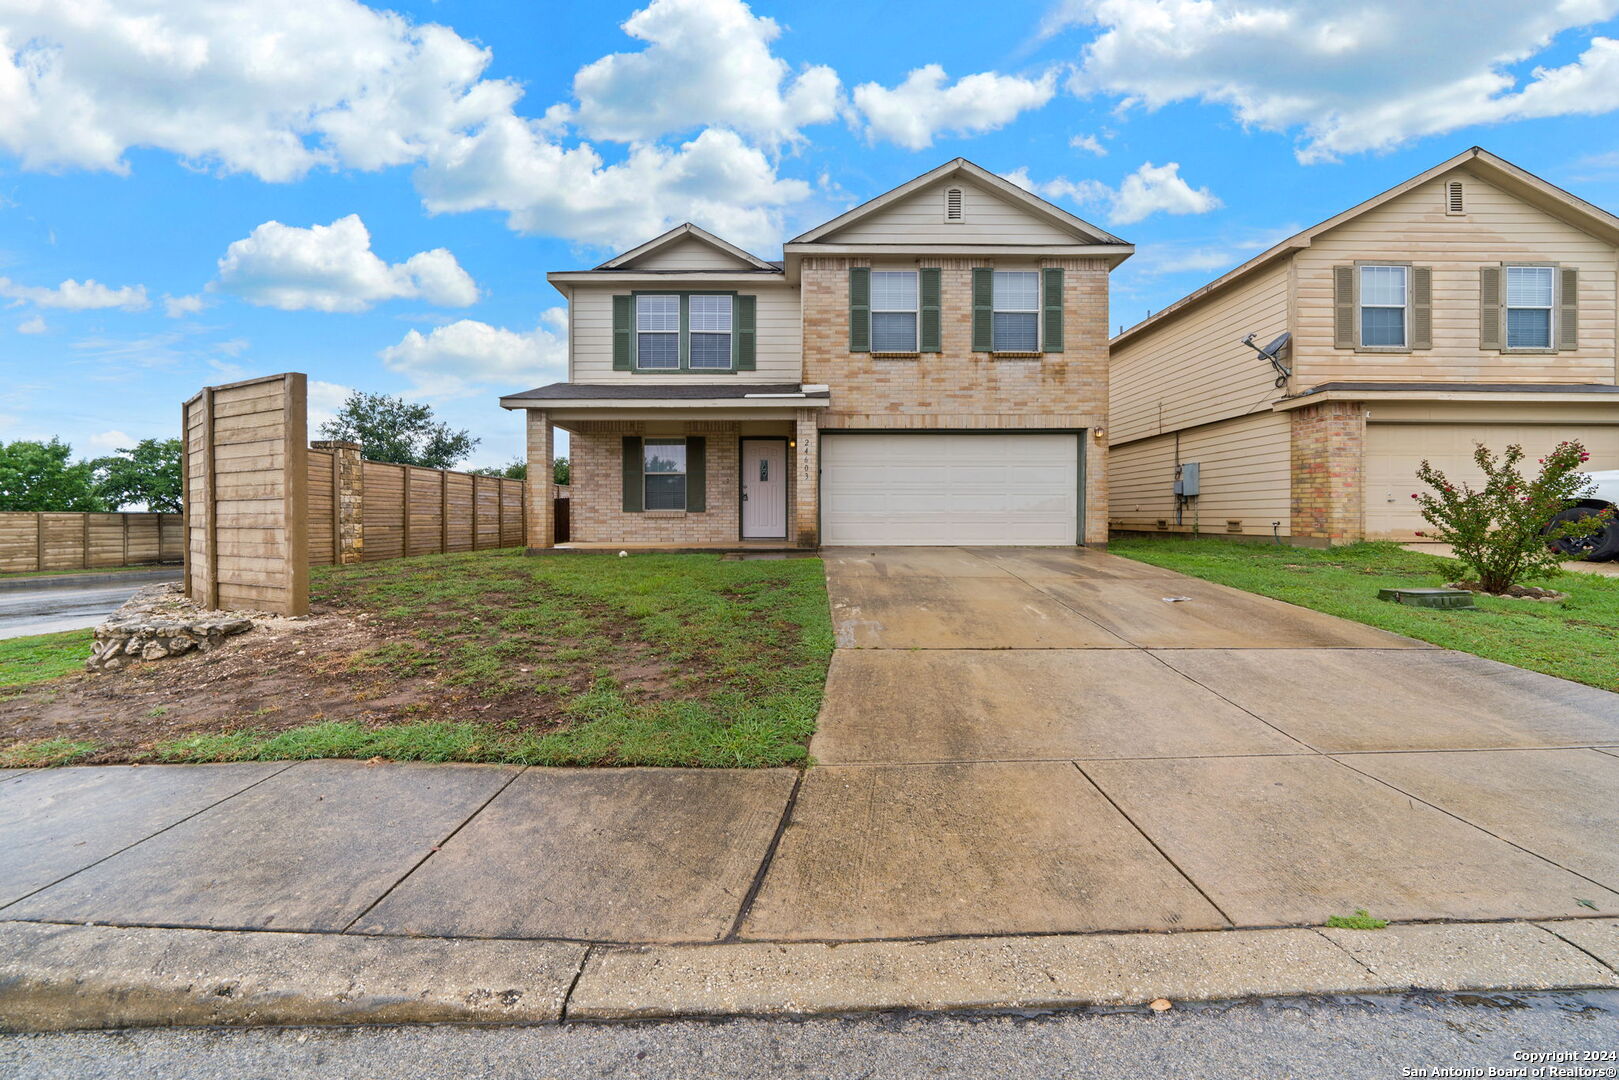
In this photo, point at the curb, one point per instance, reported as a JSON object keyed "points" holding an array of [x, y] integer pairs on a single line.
{"points": [[56, 977], [67, 581]]}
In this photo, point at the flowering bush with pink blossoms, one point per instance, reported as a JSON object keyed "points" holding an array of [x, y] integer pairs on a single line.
{"points": [[1500, 531]]}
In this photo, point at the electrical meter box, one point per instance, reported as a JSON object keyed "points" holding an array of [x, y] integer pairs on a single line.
{"points": [[1186, 479]]}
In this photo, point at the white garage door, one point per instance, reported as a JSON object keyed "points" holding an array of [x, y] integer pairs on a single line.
{"points": [[949, 489], [1393, 452]]}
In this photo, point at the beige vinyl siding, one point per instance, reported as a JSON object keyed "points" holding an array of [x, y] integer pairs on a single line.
{"points": [[1245, 468], [778, 348], [688, 254], [1497, 227], [1394, 450], [919, 219], [1195, 369]]}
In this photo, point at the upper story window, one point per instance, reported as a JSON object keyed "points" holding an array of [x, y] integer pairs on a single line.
{"points": [[1530, 292], [893, 311], [1017, 310], [657, 332], [663, 472], [1383, 302], [710, 333]]}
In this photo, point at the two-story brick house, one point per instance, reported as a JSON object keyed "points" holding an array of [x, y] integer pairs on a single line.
{"points": [[1473, 303], [927, 368]]}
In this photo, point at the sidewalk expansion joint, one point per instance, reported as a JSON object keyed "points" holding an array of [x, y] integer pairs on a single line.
{"points": [[758, 882]]}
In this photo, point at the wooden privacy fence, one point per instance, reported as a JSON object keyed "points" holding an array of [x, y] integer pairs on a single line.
{"points": [[367, 511], [78, 541], [263, 504]]}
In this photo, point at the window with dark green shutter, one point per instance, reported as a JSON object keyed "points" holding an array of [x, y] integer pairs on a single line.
{"points": [[1051, 302], [859, 309], [747, 333], [930, 289], [983, 309], [633, 497], [623, 318]]}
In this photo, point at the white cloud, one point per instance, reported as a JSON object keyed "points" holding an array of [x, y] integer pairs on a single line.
{"points": [[325, 399], [922, 107], [332, 268], [267, 87], [35, 325], [77, 296], [177, 307], [707, 62], [1088, 143], [1348, 78], [716, 180], [109, 441], [468, 356], [1205, 255], [1149, 190]]}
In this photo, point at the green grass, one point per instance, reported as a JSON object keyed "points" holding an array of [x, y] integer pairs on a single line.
{"points": [[27, 660], [651, 660], [1577, 638], [1360, 920], [43, 753]]}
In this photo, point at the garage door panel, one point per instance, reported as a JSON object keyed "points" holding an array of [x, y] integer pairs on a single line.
{"points": [[1393, 452], [928, 489]]}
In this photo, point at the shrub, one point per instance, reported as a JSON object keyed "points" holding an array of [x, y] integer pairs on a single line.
{"points": [[1500, 531]]}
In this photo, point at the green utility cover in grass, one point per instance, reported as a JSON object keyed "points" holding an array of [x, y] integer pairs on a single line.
{"points": [[1438, 598]]}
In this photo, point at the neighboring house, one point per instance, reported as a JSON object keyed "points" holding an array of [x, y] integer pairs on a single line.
{"points": [[1472, 303], [928, 368]]}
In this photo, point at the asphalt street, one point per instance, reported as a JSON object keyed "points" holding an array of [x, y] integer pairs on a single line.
{"points": [[1340, 1039], [47, 611]]}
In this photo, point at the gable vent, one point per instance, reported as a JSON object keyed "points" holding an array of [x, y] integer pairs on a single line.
{"points": [[1453, 198], [952, 204]]}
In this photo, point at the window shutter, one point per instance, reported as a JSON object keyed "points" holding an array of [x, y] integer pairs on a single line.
{"points": [[696, 473], [1489, 307], [859, 309], [1343, 307], [745, 327], [633, 495], [1568, 307], [1422, 307], [927, 280], [983, 309], [1052, 278], [623, 323]]}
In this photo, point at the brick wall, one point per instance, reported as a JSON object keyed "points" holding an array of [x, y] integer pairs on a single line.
{"points": [[595, 491], [958, 388], [1327, 479]]}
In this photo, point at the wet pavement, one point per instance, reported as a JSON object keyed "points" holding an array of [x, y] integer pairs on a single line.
{"points": [[50, 610]]}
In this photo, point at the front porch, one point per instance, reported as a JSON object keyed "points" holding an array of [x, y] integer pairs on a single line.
{"points": [[732, 469]]}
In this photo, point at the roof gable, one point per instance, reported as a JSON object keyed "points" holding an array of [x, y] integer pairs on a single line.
{"points": [[994, 210], [686, 247], [1511, 179]]}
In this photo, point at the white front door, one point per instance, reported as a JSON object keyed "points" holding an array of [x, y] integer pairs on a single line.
{"points": [[764, 489]]}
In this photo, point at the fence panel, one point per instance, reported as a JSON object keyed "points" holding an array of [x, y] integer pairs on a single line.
{"points": [[32, 542]]}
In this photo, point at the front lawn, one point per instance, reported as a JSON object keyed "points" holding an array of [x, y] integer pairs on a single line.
{"points": [[576, 659], [1576, 638]]}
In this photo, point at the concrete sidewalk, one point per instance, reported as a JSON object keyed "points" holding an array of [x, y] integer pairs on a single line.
{"points": [[1041, 781]]}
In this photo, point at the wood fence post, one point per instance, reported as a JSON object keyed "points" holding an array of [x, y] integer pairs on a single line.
{"points": [[405, 545], [211, 517], [337, 513], [39, 540], [84, 534], [443, 512], [500, 513], [185, 499], [159, 538]]}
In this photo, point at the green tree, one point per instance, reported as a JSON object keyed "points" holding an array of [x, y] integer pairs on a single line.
{"points": [[39, 476], [561, 470], [517, 470], [1506, 531], [392, 429], [146, 475]]}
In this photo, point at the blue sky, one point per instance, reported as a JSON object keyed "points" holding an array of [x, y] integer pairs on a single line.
{"points": [[374, 195]]}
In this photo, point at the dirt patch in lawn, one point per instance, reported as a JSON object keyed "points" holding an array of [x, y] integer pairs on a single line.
{"points": [[525, 654]]}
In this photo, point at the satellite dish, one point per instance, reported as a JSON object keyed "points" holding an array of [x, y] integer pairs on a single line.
{"points": [[1272, 354]]}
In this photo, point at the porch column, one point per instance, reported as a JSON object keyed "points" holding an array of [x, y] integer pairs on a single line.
{"points": [[541, 520], [807, 479]]}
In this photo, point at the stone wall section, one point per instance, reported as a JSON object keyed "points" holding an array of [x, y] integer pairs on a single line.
{"points": [[1328, 479]]}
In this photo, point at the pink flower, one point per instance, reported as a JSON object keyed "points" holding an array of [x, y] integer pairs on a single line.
{"points": [[1414, 495]]}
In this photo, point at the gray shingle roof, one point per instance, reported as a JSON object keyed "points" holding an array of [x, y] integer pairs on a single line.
{"points": [[669, 390]]}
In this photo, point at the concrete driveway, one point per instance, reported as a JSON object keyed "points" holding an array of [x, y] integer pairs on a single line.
{"points": [[1013, 742]]}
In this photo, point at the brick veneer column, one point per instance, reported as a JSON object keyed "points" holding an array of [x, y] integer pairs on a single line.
{"points": [[348, 509], [541, 523], [806, 479], [1329, 501]]}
